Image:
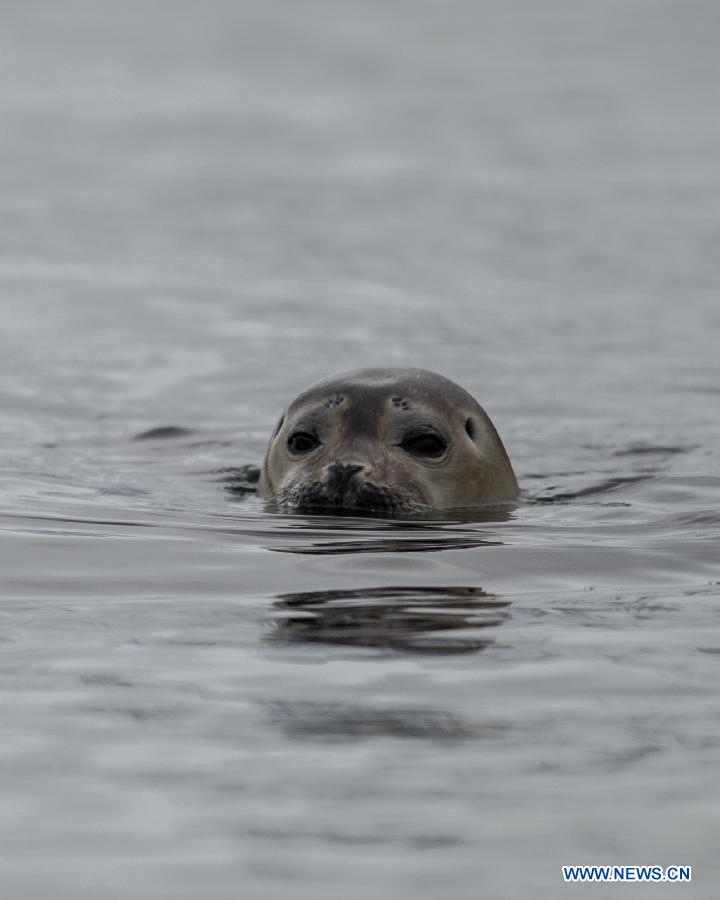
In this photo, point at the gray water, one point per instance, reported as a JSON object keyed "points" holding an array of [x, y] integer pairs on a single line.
{"points": [[206, 207]]}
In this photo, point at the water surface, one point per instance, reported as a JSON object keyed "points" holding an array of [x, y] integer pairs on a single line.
{"points": [[205, 208]]}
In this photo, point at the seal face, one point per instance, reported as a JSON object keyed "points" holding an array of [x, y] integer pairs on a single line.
{"points": [[387, 441]]}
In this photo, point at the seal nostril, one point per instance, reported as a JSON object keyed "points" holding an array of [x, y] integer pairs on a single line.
{"points": [[344, 470], [340, 474], [470, 428]]}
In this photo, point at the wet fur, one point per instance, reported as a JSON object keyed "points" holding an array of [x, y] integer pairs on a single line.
{"points": [[359, 464]]}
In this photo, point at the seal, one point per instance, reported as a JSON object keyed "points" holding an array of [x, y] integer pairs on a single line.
{"points": [[386, 441]]}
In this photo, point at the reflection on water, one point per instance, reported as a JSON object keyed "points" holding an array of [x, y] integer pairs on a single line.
{"points": [[333, 722], [324, 534], [434, 619], [389, 545], [608, 486], [239, 480], [163, 432], [651, 450]]}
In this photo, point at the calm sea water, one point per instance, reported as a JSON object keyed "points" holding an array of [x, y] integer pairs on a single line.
{"points": [[207, 207]]}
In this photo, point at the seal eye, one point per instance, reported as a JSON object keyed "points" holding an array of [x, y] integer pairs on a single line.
{"points": [[302, 442], [426, 445]]}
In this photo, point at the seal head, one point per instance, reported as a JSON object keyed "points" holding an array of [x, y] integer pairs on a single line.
{"points": [[386, 441]]}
